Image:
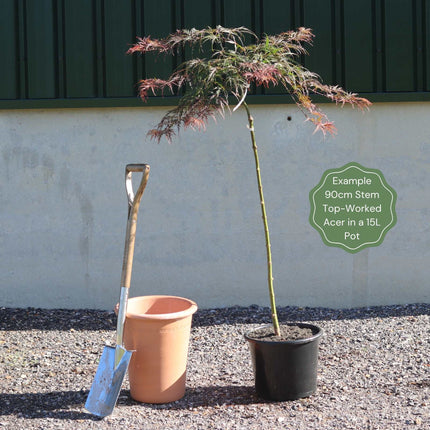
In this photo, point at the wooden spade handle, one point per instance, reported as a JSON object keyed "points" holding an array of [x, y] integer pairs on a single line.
{"points": [[133, 208], [130, 236]]}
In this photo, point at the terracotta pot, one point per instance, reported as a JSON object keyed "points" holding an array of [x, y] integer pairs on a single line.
{"points": [[158, 328]]}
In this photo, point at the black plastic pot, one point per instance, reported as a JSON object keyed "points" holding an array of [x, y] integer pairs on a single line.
{"points": [[285, 370]]}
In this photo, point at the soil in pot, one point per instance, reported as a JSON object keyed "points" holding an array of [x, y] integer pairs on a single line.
{"points": [[288, 332]]}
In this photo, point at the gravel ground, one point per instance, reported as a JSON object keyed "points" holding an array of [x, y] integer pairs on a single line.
{"points": [[374, 372]]}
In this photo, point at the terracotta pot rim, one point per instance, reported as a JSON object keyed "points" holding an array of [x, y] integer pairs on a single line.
{"points": [[164, 316]]}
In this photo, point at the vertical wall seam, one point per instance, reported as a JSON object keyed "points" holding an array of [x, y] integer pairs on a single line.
{"points": [[342, 55], [100, 48], [424, 42], [181, 18], [418, 48], [334, 41], [22, 43], [338, 75], [17, 50], [383, 62], [222, 12], [262, 30], [257, 24], [181, 15], [59, 48], [300, 13], [378, 24], [139, 67], [214, 13]]}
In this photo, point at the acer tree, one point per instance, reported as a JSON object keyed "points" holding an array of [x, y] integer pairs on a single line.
{"points": [[225, 65]]}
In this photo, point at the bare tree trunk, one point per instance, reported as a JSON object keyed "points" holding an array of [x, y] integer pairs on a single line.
{"points": [[266, 225]]}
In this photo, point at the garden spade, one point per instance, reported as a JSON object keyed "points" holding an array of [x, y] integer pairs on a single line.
{"points": [[114, 360]]}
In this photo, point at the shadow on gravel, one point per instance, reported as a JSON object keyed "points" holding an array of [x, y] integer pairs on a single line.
{"points": [[67, 405], [211, 397], [57, 404], [86, 319], [56, 319], [261, 315]]}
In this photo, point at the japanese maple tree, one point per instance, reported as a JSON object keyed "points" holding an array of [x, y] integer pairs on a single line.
{"points": [[225, 65]]}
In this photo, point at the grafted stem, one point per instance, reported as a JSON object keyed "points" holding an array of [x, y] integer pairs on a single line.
{"points": [[266, 225]]}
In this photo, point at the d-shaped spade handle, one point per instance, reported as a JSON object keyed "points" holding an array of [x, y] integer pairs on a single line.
{"points": [[130, 236], [129, 170], [133, 208]]}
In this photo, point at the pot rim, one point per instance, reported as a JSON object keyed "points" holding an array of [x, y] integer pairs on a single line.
{"points": [[318, 334], [164, 316]]}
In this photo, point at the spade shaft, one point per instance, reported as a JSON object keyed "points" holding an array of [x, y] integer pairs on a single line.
{"points": [[114, 362]]}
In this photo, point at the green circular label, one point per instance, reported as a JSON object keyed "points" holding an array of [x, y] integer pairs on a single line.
{"points": [[352, 207]]}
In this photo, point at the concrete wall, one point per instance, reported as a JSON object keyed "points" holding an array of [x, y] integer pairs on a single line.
{"points": [[63, 208]]}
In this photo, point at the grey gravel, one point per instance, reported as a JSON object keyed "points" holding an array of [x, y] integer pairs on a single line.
{"points": [[374, 372]]}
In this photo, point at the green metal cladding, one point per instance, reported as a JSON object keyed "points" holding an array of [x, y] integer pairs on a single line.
{"points": [[71, 53]]}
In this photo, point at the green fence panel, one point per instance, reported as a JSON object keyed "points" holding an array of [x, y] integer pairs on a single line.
{"points": [[425, 11], [359, 46], [40, 43], [400, 49], [197, 13], [156, 65], [8, 34], [80, 41], [73, 52], [319, 17], [238, 13], [119, 33], [277, 16]]}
